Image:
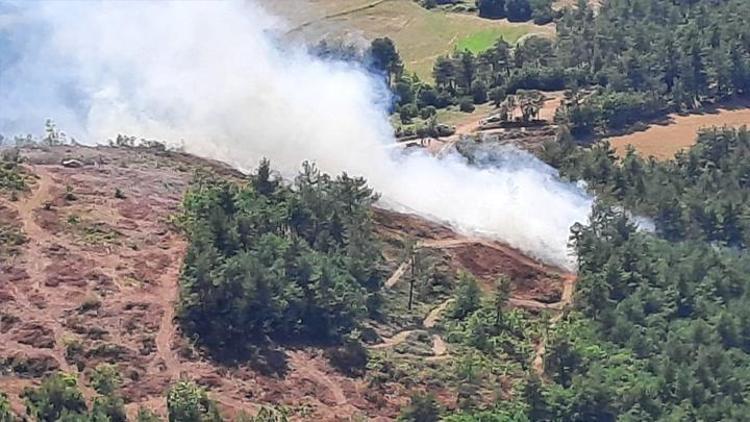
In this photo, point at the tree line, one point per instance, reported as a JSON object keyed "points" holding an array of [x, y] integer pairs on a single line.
{"points": [[540, 11]]}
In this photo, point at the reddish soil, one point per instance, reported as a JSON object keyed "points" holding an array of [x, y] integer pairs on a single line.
{"points": [[98, 278]]}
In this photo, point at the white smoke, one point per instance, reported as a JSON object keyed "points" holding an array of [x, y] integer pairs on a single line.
{"points": [[212, 75]]}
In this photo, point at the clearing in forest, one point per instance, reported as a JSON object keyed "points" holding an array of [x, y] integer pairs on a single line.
{"points": [[664, 140]]}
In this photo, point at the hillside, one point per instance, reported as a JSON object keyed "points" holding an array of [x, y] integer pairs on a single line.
{"points": [[421, 35], [96, 281]]}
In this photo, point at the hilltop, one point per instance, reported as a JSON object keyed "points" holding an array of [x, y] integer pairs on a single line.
{"points": [[95, 279]]}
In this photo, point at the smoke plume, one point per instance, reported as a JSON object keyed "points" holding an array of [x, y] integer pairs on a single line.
{"points": [[214, 76]]}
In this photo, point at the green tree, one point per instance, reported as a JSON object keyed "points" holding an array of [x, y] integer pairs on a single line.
{"points": [[468, 296], [187, 402], [385, 58], [502, 294], [492, 9]]}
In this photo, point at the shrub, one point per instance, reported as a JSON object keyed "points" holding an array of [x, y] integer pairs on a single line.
{"points": [[466, 105], [58, 395], [6, 415], [350, 358], [187, 402], [423, 408], [427, 112]]}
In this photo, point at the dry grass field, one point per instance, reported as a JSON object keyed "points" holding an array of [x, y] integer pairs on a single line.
{"points": [[663, 141]]}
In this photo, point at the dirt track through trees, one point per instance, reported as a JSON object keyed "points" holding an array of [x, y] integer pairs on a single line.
{"points": [[439, 347]]}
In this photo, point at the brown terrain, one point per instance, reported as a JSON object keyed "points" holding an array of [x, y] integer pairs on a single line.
{"points": [[663, 140], [97, 281]]}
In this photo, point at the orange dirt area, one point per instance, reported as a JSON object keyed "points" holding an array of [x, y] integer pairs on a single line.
{"points": [[679, 131], [97, 281], [534, 285]]}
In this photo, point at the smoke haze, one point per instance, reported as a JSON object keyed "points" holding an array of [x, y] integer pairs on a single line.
{"points": [[213, 75]]}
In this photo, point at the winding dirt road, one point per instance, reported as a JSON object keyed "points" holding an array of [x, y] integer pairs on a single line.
{"points": [[439, 347]]}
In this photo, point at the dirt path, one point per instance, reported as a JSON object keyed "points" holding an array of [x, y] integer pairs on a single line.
{"points": [[396, 276], [569, 284], [168, 292], [435, 314], [397, 339], [35, 260], [307, 370], [517, 256], [438, 345]]}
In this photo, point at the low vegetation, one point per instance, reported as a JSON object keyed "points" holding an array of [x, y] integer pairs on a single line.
{"points": [[12, 176], [59, 398]]}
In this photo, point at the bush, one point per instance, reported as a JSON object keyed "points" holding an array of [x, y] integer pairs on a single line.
{"points": [[491, 9], [479, 92], [350, 358], [427, 112], [6, 415], [468, 296], [408, 112], [423, 408], [187, 402], [57, 396], [466, 105]]}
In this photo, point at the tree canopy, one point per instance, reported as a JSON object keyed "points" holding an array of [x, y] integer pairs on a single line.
{"points": [[269, 260]]}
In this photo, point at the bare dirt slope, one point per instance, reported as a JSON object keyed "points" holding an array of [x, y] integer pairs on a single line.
{"points": [[97, 281]]}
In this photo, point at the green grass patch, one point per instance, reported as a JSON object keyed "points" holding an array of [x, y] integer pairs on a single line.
{"points": [[486, 38]]}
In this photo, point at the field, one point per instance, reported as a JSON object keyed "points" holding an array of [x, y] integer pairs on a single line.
{"points": [[663, 141], [421, 35]]}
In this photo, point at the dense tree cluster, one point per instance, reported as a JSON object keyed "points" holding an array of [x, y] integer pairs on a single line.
{"points": [[517, 10], [661, 333], [268, 260], [633, 61], [645, 57], [540, 11]]}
